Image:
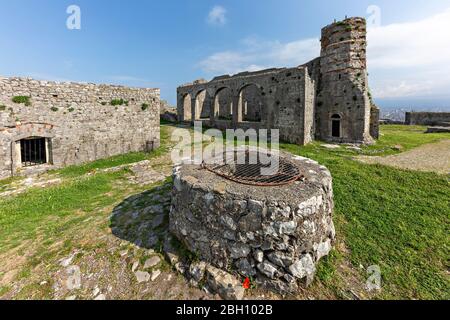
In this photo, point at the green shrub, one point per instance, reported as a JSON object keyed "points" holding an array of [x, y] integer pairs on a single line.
{"points": [[71, 109], [104, 103], [54, 109], [2, 108], [144, 106], [22, 99], [117, 102]]}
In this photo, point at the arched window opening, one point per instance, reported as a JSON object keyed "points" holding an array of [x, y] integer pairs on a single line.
{"points": [[250, 104], [336, 126]]}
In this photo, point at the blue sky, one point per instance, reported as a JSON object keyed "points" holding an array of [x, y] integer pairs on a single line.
{"points": [[167, 43]]}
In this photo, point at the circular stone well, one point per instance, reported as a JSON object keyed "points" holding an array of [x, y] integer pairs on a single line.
{"points": [[274, 234]]}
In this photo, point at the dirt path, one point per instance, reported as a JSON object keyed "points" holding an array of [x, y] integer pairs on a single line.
{"points": [[433, 157]]}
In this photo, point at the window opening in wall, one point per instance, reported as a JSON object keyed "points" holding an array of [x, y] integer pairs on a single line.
{"points": [[336, 126], [33, 152]]}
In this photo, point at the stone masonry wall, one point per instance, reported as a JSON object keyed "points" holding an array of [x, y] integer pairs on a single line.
{"points": [[428, 118], [77, 119], [284, 96], [302, 102], [343, 89]]}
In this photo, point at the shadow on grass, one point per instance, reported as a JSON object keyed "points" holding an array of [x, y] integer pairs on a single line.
{"points": [[143, 219]]}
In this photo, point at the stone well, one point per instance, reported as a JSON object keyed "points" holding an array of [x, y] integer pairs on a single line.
{"points": [[273, 234]]}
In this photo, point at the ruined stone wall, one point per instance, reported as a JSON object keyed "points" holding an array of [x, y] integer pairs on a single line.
{"points": [[305, 102], [344, 82], [276, 99], [428, 118], [77, 119]]}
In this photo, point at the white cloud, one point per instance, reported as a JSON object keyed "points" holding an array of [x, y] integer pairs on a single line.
{"points": [[412, 44], [409, 59], [257, 54], [217, 16]]}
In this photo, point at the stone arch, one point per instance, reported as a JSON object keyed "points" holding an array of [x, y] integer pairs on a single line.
{"points": [[336, 125], [202, 105], [251, 103], [223, 104], [187, 107]]}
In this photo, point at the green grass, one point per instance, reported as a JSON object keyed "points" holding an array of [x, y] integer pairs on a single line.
{"points": [[396, 219], [22, 99], [118, 102], [408, 137], [21, 216]]}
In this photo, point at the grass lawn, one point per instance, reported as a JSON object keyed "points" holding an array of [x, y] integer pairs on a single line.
{"points": [[396, 219]]}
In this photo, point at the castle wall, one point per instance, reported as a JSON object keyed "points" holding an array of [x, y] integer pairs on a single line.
{"points": [[275, 98], [77, 120], [428, 118], [326, 98]]}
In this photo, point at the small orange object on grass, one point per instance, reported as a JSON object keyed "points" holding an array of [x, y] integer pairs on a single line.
{"points": [[246, 283]]}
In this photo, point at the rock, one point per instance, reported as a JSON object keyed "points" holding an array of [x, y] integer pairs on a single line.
{"points": [[268, 269], [255, 207], [258, 256], [153, 261], [303, 268], [142, 276], [331, 146], [228, 287], [170, 253], [220, 187], [239, 250], [280, 259], [67, 261], [228, 222], [96, 291], [135, 266], [155, 274], [244, 267], [323, 249], [197, 270], [100, 297], [250, 222], [71, 298]]}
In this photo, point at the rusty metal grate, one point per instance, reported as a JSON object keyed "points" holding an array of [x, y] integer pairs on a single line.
{"points": [[256, 173]]}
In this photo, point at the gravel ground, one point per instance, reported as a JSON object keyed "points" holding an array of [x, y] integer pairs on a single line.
{"points": [[433, 157]]}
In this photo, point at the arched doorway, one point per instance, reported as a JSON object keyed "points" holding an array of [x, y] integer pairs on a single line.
{"points": [[336, 126], [187, 107], [223, 104], [250, 104], [202, 107]]}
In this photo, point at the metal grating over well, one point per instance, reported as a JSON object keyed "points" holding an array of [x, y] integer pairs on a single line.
{"points": [[251, 169]]}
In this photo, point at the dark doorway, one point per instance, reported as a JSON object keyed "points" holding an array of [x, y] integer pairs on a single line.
{"points": [[336, 126], [33, 152]]}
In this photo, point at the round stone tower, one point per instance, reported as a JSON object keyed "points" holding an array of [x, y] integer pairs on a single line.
{"points": [[343, 102]]}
